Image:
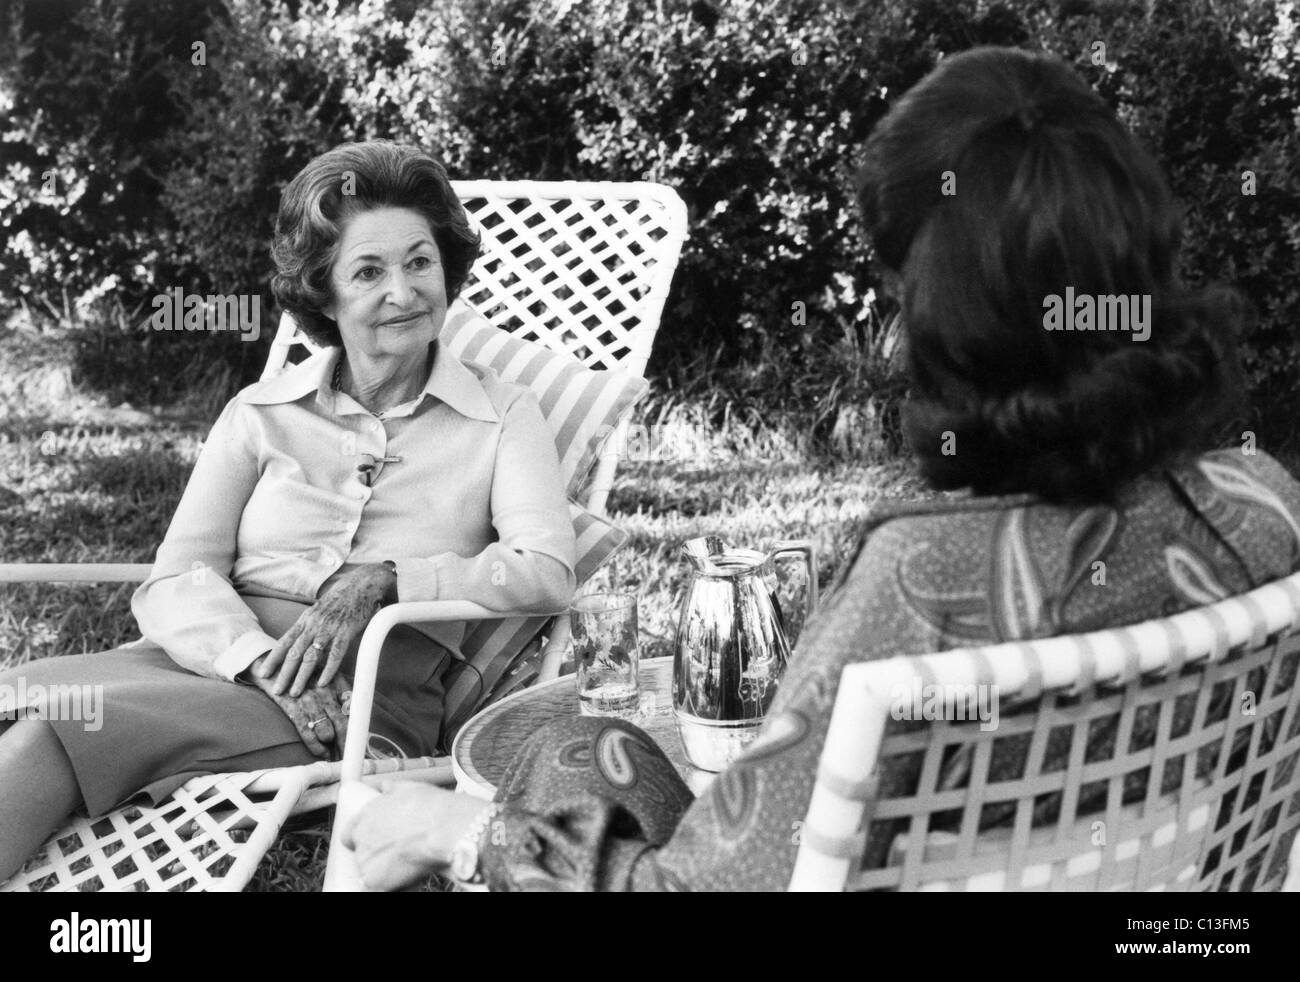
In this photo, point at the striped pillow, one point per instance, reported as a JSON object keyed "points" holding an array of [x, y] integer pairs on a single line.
{"points": [[495, 648], [582, 406]]}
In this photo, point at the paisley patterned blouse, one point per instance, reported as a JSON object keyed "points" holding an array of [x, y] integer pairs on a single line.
{"points": [[592, 804]]}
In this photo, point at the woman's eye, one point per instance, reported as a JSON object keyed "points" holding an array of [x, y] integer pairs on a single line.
{"points": [[421, 262], [369, 273]]}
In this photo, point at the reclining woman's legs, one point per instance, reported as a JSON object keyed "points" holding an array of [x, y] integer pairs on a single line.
{"points": [[38, 790]]}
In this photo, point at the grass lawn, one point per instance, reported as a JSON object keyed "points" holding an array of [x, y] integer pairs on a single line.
{"points": [[75, 491]]}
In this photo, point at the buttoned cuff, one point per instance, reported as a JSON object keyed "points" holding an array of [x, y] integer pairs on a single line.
{"points": [[417, 579], [246, 650]]}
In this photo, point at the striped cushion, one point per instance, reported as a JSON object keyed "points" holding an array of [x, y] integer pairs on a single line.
{"points": [[498, 648], [582, 406]]}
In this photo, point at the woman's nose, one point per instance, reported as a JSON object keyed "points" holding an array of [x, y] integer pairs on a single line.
{"points": [[400, 290]]}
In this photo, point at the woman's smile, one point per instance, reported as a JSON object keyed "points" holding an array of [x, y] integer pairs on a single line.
{"points": [[403, 320]]}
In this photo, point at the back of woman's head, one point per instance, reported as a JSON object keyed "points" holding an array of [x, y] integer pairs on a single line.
{"points": [[1003, 188]]}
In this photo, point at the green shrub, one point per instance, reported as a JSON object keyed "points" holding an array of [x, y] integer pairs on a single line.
{"points": [[84, 107], [754, 110]]}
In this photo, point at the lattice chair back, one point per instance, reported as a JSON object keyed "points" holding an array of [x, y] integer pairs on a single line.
{"points": [[1160, 756], [583, 268]]}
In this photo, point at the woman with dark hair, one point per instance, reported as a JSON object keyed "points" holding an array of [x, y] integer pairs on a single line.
{"points": [[380, 469], [997, 188], [990, 215]]}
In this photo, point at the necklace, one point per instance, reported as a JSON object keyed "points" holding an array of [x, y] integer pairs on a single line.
{"points": [[336, 383]]}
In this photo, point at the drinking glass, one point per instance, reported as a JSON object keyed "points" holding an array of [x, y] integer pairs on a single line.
{"points": [[606, 653]]}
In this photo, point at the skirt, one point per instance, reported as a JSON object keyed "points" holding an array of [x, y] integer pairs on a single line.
{"points": [[145, 725]]}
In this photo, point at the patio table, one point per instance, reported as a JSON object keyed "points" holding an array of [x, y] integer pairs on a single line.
{"points": [[488, 743]]}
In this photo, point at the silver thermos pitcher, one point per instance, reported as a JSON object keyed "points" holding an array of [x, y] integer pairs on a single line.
{"points": [[731, 649]]}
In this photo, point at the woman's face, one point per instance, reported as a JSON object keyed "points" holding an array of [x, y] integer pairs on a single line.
{"points": [[389, 295]]}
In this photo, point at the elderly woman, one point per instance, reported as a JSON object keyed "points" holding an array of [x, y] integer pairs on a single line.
{"points": [[381, 469], [1081, 447]]}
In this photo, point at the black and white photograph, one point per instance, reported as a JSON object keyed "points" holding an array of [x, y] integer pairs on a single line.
{"points": [[744, 446]]}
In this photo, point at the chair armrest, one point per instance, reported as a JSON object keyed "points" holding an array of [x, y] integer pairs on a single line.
{"points": [[341, 872], [74, 572], [367, 669]]}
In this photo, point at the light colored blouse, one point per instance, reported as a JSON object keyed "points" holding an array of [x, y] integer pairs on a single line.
{"points": [[474, 509]]}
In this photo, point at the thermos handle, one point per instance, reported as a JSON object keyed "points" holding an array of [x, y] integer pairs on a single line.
{"points": [[807, 550]]}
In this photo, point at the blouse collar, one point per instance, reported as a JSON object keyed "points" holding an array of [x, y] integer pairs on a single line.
{"points": [[451, 381]]}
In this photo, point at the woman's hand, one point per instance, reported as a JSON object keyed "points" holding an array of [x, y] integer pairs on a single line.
{"points": [[320, 714], [409, 832], [319, 639]]}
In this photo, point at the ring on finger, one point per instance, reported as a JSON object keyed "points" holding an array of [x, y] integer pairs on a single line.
{"points": [[316, 722]]}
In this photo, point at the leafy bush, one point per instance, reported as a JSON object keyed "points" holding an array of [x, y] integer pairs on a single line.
{"points": [[87, 110], [754, 110], [84, 106]]}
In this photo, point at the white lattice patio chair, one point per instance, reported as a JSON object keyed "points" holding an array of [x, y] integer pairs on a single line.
{"points": [[582, 268], [1203, 704]]}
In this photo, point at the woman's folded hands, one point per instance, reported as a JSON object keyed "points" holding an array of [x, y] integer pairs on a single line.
{"points": [[301, 673], [313, 649], [320, 713]]}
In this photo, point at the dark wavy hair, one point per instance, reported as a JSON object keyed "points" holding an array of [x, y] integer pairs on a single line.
{"points": [[1047, 190], [314, 206]]}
